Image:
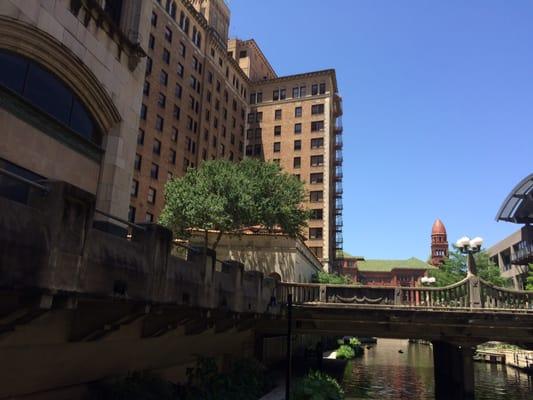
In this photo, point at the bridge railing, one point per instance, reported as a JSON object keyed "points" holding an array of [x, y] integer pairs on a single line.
{"points": [[471, 292], [496, 297]]}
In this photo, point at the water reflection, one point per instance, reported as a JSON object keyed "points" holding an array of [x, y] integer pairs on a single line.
{"points": [[395, 369]]}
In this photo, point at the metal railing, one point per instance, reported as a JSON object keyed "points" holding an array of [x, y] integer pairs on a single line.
{"points": [[524, 255], [470, 293]]}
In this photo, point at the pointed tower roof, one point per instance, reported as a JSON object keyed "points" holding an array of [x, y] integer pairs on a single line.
{"points": [[438, 228]]}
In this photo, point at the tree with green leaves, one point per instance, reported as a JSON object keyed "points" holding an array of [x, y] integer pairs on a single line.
{"points": [[529, 279], [226, 197], [454, 269]]}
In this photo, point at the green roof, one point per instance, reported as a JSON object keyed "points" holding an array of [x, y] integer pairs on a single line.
{"points": [[389, 265]]}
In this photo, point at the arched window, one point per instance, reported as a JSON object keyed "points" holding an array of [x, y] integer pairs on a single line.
{"points": [[173, 10], [47, 92]]}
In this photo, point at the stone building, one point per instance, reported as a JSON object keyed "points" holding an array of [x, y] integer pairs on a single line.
{"points": [[275, 254], [207, 97], [71, 76]]}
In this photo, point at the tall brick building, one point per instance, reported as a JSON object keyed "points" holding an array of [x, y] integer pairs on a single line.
{"points": [[207, 97]]}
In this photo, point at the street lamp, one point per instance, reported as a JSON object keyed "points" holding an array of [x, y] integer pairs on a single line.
{"points": [[427, 280], [469, 247]]}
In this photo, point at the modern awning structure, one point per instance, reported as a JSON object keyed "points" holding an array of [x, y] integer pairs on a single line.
{"points": [[518, 206]]}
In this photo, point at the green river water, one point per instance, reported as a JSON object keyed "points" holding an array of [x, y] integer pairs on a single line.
{"points": [[384, 373]]}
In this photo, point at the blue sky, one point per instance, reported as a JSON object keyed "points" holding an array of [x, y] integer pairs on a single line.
{"points": [[438, 108]]}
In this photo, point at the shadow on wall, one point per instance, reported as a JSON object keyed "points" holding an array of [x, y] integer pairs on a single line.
{"points": [[278, 262]]}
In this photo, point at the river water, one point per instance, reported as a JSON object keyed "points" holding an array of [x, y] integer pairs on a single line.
{"points": [[386, 374]]}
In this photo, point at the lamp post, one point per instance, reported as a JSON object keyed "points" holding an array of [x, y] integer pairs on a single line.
{"points": [[470, 247], [427, 280]]}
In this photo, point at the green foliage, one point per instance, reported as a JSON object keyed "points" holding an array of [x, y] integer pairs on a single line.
{"points": [[454, 269], [317, 386], [135, 386], [225, 196], [345, 352], [246, 380], [354, 342], [529, 279], [332, 279]]}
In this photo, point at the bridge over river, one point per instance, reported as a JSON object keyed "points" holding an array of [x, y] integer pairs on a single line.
{"points": [[80, 303]]}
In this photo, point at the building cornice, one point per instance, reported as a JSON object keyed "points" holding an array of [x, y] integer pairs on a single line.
{"points": [[326, 72]]}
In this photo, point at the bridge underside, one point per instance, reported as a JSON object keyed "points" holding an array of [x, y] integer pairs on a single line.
{"points": [[454, 326]]}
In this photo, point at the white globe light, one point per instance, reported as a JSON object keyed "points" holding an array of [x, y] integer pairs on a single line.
{"points": [[431, 279], [463, 242], [424, 279], [476, 242]]}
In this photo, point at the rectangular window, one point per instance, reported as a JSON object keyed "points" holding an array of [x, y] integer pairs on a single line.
{"points": [[131, 214], [296, 162], [172, 157], [298, 128], [277, 130], [154, 171], [151, 42], [317, 251], [259, 97], [277, 147], [252, 98], [316, 178], [317, 109], [282, 94], [153, 20], [275, 95], [277, 114], [303, 91], [151, 195], [148, 66], [176, 112], [317, 143], [138, 162], [250, 134], [249, 150], [317, 126], [180, 70], [140, 137], [182, 49], [163, 78], [144, 111], [297, 145], [174, 134], [315, 233], [298, 112], [259, 116], [317, 161], [257, 149], [149, 218], [156, 148], [166, 56], [258, 132], [314, 89], [161, 100], [296, 92], [134, 188], [317, 214], [322, 89], [146, 88], [159, 123], [168, 34], [177, 91], [251, 117]]}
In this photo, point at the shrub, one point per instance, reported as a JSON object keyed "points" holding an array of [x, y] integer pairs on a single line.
{"points": [[345, 352], [317, 386], [332, 279]]}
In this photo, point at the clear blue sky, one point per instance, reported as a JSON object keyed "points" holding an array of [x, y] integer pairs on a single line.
{"points": [[438, 108]]}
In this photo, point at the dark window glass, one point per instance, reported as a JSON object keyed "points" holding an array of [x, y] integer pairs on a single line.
{"points": [[13, 71], [317, 213], [47, 92], [297, 128]]}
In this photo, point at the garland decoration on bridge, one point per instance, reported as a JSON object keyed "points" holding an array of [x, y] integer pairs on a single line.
{"points": [[355, 299]]}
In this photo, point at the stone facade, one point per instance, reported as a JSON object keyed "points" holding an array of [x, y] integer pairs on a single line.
{"points": [[96, 54], [274, 254]]}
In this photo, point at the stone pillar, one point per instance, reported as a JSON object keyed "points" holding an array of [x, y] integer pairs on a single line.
{"points": [[454, 371]]}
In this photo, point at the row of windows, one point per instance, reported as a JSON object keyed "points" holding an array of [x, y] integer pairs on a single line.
{"points": [[317, 126], [316, 109], [315, 144], [132, 216], [183, 22], [297, 92]]}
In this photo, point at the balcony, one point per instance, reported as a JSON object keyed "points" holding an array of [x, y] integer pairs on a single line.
{"points": [[338, 143], [338, 160], [524, 254], [338, 176]]}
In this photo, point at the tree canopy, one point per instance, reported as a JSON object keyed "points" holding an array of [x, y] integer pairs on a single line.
{"points": [[225, 196], [454, 269]]}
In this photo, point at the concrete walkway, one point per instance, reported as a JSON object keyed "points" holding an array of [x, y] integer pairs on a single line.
{"points": [[277, 394]]}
